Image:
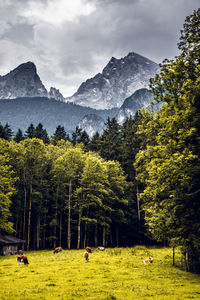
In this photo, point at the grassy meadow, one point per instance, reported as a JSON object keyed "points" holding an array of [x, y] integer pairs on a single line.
{"points": [[113, 274]]}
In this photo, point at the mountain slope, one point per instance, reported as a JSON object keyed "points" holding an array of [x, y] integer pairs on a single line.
{"points": [[141, 98], [92, 123], [19, 113], [22, 82], [118, 80]]}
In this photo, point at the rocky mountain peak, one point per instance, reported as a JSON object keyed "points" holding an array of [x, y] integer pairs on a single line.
{"points": [[119, 79], [23, 81], [55, 94]]}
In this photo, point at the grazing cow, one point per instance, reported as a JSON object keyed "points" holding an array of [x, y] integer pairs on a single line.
{"points": [[22, 258], [148, 260], [100, 248], [88, 249], [56, 250], [86, 256]]}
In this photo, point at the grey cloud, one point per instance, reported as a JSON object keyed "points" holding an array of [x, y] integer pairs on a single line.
{"points": [[74, 51], [20, 33]]}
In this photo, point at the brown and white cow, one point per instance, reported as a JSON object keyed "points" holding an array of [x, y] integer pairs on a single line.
{"points": [[148, 260], [86, 256], [22, 258], [56, 250], [88, 249], [100, 248]]}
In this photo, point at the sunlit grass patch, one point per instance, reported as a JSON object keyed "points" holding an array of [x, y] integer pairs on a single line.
{"points": [[112, 274]]}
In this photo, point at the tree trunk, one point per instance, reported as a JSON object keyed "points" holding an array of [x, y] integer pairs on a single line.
{"points": [[96, 235], [69, 216], [104, 236], [138, 202], [29, 217], [173, 256], [44, 231], [186, 261], [21, 228], [38, 233], [85, 235], [24, 216], [117, 236], [56, 222], [60, 230], [111, 238], [79, 228]]}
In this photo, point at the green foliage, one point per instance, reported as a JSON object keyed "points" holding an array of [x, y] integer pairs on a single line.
{"points": [[7, 181], [169, 165], [111, 140]]}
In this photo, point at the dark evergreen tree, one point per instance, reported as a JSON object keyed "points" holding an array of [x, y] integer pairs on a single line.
{"points": [[41, 133], [111, 141], [3, 133], [95, 143], [8, 131], [59, 134], [76, 135], [84, 138], [131, 143], [80, 136], [19, 136], [30, 131]]}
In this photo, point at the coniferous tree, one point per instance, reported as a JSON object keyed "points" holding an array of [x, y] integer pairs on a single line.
{"points": [[30, 131], [111, 141], [76, 135], [9, 132], [95, 143], [19, 136], [80, 136], [60, 134], [3, 134], [6, 132], [41, 133]]}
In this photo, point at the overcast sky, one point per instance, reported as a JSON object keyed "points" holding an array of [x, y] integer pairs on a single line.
{"points": [[72, 40]]}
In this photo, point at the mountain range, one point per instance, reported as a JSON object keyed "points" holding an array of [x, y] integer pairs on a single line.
{"points": [[119, 91], [118, 80]]}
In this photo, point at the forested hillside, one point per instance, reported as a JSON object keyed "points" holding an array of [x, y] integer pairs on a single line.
{"points": [[21, 112], [135, 183]]}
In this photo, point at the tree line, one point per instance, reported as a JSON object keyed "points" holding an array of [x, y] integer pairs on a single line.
{"points": [[134, 182], [62, 195]]}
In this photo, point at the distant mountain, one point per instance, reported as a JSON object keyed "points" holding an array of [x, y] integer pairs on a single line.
{"points": [[25, 100], [55, 94], [118, 80], [21, 112], [24, 81], [141, 98]]}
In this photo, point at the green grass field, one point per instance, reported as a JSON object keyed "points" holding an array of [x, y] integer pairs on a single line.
{"points": [[113, 274]]}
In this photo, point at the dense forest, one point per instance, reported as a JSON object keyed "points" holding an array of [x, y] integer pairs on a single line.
{"points": [[137, 182]]}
